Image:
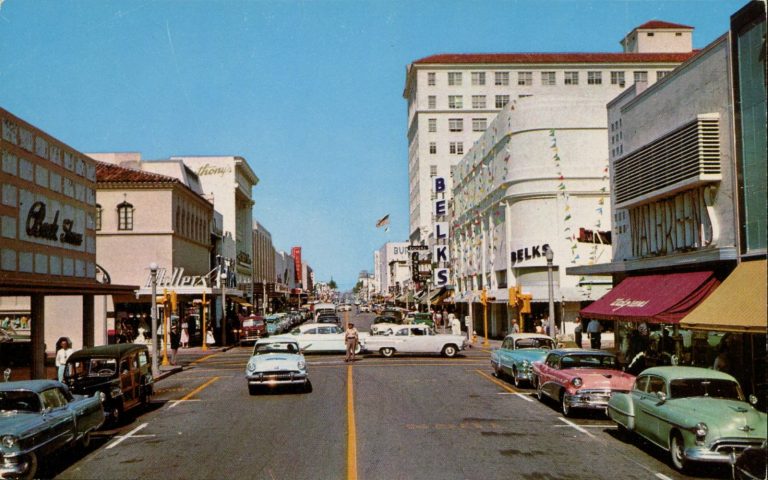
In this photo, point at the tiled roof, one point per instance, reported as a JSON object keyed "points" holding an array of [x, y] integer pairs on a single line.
{"points": [[107, 172], [660, 24], [501, 58]]}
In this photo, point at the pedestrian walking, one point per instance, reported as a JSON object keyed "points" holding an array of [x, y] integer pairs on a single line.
{"points": [[594, 329], [184, 334], [175, 340], [515, 327], [539, 326], [577, 332], [455, 324], [351, 338], [63, 351]]}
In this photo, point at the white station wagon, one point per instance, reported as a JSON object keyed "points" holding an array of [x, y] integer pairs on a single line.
{"points": [[414, 339], [323, 337]]}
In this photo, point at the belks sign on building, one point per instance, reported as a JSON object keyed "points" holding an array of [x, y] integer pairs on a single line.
{"points": [[440, 257]]}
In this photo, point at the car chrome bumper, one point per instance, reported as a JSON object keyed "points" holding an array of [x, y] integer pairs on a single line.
{"points": [[13, 466], [591, 400], [281, 378]]}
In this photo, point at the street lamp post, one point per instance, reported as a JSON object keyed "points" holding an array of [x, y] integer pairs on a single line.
{"points": [[223, 284], [153, 277], [550, 255]]}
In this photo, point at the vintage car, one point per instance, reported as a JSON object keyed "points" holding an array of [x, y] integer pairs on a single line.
{"points": [[416, 339], [580, 378], [273, 324], [38, 417], [274, 362], [121, 375], [695, 413], [323, 337], [422, 318], [517, 354], [252, 328], [383, 324]]}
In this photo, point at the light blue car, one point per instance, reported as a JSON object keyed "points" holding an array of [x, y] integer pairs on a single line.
{"points": [[517, 353]]}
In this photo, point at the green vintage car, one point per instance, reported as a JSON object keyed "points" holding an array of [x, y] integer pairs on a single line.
{"points": [[38, 417], [695, 413]]}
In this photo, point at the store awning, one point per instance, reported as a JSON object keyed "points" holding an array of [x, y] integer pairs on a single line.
{"points": [[738, 304], [664, 298], [240, 301], [437, 296]]}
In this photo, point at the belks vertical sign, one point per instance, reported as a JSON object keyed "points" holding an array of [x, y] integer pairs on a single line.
{"points": [[440, 274]]}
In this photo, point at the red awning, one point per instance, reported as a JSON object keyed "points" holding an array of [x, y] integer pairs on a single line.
{"points": [[653, 298]]}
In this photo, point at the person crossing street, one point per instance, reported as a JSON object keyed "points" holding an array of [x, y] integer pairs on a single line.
{"points": [[351, 338]]}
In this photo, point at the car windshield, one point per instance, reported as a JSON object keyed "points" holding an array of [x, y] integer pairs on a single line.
{"points": [[705, 387], [588, 361], [276, 347], [101, 367], [19, 401], [544, 343]]}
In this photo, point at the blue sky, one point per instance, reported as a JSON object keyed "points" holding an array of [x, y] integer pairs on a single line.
{"points": [[309, 92]]}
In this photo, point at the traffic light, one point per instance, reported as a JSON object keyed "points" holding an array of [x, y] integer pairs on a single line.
{"points": [[519, 299], [174, 300]]}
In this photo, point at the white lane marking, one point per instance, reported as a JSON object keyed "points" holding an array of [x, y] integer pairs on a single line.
{"points": [[525, 397], [662, 476], [587, 426], [176, 402], [577, 427], [120, 438]]}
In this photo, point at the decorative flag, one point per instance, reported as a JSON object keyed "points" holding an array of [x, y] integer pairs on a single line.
{"points": [[383, 221]]}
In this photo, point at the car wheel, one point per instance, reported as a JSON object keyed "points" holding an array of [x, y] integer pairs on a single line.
{"points": [[31, 471], [677, 451], [85, 440], [450, 351], [539, 391], [515, 380], [387, 351], [116, 414], [564, 406], [358, 349]]}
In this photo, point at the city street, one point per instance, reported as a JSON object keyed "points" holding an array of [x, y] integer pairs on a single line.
{"points": [[405, 417]]}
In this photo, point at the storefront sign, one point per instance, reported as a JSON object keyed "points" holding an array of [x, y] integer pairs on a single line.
{"points": [[620, 303], [209, 169], [528, 253], [38, 227], [177, 279], [296, 254], [440, 274]]}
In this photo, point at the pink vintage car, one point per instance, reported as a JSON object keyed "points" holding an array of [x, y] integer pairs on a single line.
{"points": [[580, 378]]}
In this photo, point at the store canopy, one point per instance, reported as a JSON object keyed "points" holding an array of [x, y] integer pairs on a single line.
{"points": [[738, 305], [663, 298], [437, 296], [240, 300]]}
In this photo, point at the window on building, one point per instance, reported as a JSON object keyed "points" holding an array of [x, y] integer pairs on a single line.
{"points": [[432, 102], [661, 74], [432, 148], [98, 216], [478, 101], [479, 124], [431, 79], [501, 78], [641, 77], [501, 100], [432, 125], [455, 101], [525, 78], [571, 78], [478, 78], [455, 124], [650, 34], [433, 170], [456, 148], [125, 216], [594, 78], [548, 79], [617, 78], [454, 78]]}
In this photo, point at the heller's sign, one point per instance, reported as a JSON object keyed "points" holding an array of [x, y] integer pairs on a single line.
{"points": [[177, 279]]}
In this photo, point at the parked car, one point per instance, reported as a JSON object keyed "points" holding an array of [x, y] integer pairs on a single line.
{"points": [[517, 354], [384, 324], [365, 309], [38, 417], [121, 375], [580, 378], [329, 318], [273, 324], [323, 337], [276, 362], [419, 318], [695, 413], [416, 339], [252, 328]]}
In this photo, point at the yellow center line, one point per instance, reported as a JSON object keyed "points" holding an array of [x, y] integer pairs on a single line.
{"points": [[199, 389], [498, 382], [351, 429]]}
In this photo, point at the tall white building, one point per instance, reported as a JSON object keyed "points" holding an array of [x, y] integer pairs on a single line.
{"points": [[391, 262], [453, 98]]}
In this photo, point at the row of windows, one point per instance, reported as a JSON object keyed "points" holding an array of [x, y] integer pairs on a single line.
{"points": [[456, 102], [186, 223], [457, 124], [455, 148], [548, 78], [124, 216]]}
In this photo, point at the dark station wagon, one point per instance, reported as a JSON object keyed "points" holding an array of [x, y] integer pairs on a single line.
{"points": [[120, 374]]}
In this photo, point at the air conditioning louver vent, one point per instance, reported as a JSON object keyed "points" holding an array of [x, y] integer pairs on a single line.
{"points": [[686, 158]]}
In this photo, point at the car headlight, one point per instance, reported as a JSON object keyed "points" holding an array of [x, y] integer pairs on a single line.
{"points": [[251, 366], [526, 364], [301, 365], [115, 392], [576, 382], [9, 441], [102, 396], [701, 430]]}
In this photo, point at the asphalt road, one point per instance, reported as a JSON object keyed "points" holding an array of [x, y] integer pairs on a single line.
{"points": [[378, 418]]}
